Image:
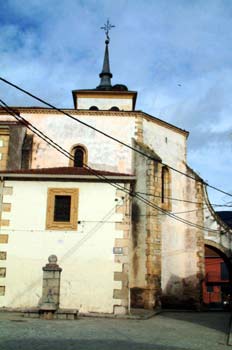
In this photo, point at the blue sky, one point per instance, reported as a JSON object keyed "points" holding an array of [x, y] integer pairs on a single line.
{"points": [[176, 53]]}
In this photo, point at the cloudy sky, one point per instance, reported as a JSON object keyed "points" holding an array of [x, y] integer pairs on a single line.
{"points": [[176, 53]]}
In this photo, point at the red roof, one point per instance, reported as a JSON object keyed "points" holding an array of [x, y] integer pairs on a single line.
{"points": [[64, 171]]}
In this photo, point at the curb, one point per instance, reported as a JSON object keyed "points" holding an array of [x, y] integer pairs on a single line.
{"points": [[121, 317], [229, 338], [134, 315]]}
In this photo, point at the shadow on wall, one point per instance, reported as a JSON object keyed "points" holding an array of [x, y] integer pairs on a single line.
{"points": [[179, 293], [183, 293]]}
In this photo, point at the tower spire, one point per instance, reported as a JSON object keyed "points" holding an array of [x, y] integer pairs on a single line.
{"points": [[106, 75]]}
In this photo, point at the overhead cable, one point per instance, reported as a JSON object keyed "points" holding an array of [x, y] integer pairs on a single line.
{"points": [[198, 179], [94, 172]]}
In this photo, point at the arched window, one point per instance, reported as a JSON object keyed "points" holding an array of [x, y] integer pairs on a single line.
{"points": [[93, 108], [114, 108], [165, 188], [79, 157], [79, 154]]}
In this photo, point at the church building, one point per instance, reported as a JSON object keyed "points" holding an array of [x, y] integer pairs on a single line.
{"points": [[105, 192]]}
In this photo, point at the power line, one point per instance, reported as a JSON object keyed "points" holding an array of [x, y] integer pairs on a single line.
{"points": [[175, 216], [64, 152], [67, 154], [55, 145], [91, 232], [47, 230], [48, 140], [177, 212], [183, 200], [77, 246], [70, 156], [111, 137]]}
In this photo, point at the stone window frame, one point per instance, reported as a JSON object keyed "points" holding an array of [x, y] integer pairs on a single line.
{"points": [[4, 146], [85, 151], [62, 225], [166, 188]]}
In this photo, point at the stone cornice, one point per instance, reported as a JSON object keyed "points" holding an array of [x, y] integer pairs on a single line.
{"points": [[66, 177]]}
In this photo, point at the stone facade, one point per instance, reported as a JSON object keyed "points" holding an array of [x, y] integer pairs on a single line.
{"points": [[152, 295], [94, 258], [15, 150], [155, 248], [5, 195], [4, 146], [121, 251]]}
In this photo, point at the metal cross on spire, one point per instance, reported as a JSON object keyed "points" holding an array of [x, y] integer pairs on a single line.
{"points": [[107, 28]]}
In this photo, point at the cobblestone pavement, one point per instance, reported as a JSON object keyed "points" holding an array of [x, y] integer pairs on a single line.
{"points": [[166, 331]]}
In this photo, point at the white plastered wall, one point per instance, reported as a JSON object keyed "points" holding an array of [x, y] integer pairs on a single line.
{"points": [[124, 104], [179, 246], [86, 255], [169, 144], [103, 153]]}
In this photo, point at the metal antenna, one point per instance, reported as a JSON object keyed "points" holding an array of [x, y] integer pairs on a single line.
{"points": [[107, 27]]}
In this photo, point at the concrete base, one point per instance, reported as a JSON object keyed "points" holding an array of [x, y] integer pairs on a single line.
{"points": [[61, 314], [73, 314]]}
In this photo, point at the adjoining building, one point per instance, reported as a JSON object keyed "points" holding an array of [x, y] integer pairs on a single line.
{"points": [[129, 225]]}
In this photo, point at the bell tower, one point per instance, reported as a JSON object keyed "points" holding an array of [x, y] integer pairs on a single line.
{"points": [[105, 96]]}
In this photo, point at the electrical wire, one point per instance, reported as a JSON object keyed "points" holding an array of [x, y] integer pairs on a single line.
{"points": [[74, 248], [49, 141], [67, 154], [176, 212], [183, 200], [63, 151], [111, 137]]}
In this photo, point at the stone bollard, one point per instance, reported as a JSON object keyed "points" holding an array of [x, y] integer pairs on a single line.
{"points": [[51, 288]]}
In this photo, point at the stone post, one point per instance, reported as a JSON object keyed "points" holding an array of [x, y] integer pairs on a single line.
{"points": [[51, 288]]}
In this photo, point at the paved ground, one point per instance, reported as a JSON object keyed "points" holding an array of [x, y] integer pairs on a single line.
{"points": [[166, 331]]}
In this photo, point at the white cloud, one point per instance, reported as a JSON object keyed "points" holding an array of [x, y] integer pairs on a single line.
{"points": [[177, 54]]}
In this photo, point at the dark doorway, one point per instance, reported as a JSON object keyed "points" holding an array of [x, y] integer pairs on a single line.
{"points": [[216, 286]]}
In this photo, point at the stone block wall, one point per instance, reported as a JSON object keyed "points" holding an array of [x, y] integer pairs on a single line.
{"points": [[152, 295], [4, 146], [200, 243], [121, 251]]}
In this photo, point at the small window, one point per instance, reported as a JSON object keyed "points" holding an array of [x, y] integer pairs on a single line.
{"points": [[79, 157], [165, 188], [93, 108], [114, 108], [164, 184], [224, 272], [62, 209]]}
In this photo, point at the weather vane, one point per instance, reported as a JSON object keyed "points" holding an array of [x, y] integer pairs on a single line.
{"points": [[106, 28]]}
